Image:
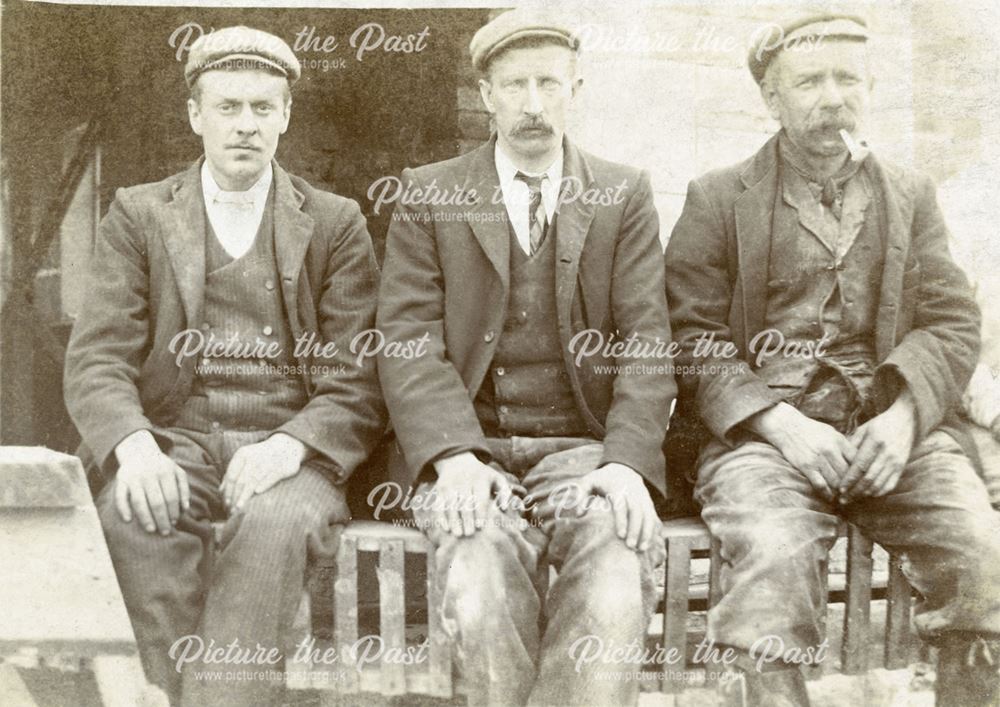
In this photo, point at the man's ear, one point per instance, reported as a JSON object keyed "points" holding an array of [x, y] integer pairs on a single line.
{"points": [[486, 91], [287, 116], [770, 96], [194, 115]]}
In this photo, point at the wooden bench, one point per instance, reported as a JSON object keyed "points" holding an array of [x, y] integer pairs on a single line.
{"points": [[686, 539]]}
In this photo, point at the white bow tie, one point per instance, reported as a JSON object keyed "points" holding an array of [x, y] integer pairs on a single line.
{"points": [[236, 199]]}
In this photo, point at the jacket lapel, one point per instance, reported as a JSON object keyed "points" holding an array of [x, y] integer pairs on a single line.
{"points": [[184, 238], [490, 231], [572, 225], [753, 210], [896, 203], [293, 231]]}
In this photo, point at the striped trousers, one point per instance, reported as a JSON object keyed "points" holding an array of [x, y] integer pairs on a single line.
{"points": [[210, 624]]}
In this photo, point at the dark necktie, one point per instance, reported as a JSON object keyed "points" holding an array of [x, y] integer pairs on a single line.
{"points": [[536, 212], [832, 196]]}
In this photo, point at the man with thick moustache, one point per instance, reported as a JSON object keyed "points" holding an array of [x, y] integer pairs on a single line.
{"points": [[504, 413], [818, 240], [195, 379]]}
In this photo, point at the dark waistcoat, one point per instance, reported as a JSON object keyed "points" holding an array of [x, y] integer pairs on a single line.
{"points": [[527, 391]]}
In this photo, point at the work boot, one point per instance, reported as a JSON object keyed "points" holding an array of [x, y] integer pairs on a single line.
{"points": [[968, 671], [774, 688]]}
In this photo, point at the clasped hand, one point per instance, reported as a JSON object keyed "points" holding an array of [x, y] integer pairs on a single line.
{"points": [[869, 462]]}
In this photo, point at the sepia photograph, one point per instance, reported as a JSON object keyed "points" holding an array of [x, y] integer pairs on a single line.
{"points": [[498, 353]]}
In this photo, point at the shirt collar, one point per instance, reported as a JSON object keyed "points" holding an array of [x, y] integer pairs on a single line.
{"points": [[507, 171], [256, 195]]}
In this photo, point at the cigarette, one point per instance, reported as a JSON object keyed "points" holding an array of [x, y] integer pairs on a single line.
{"points": [[858, 149]]}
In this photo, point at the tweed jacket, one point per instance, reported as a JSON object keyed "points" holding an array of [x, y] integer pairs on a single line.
{"points": [[717, 259], [446, 277], [147, 285]]}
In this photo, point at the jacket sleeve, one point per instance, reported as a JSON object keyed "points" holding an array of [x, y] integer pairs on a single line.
{"points": [[345, 416], [637, 420], [700, 292], [110, 337], [936, 357], [431, 410]]}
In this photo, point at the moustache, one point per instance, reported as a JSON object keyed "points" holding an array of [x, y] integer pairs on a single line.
{"points": [[533, 125], [833, 123]]}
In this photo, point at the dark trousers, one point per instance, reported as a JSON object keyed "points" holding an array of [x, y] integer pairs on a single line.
{"points": [[181, 594], [514, 644]]}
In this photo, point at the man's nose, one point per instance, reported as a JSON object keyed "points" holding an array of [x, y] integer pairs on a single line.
{"points": [[533, 104], [246, 121], [832, 95]]}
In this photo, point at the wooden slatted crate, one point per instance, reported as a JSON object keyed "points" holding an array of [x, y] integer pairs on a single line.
{"points": [[686, 539]]}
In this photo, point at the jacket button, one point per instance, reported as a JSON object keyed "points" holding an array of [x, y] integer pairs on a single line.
{"points": [[215, 424], [205, 326], [269, 284], [504, 409], [489, 336], [500, 371], [268, 331]]}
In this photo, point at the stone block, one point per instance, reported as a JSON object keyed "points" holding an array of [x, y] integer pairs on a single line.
{"points": [[36, 477]]}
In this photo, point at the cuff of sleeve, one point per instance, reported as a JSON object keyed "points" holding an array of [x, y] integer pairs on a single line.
{"points": [[748, 403], [327, 467], [651, 466], [887, 383], [104, 453], [427, 472], [314, 457], [311, 452]]}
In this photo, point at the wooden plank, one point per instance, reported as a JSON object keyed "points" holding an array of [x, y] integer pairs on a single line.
{"points": [[122, 683], [439, 648], [857, 605], [675, 607], [345, 610], [369, 534], [392, 616], [715, 574], [693, 530], [897, 619]]}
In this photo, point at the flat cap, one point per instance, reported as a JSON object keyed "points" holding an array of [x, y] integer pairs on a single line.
{"points": [[518, 24], [242, 47], [771, 38]]}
